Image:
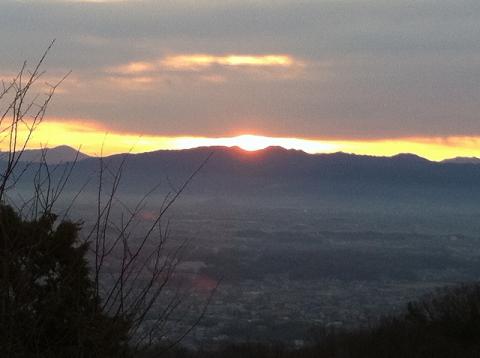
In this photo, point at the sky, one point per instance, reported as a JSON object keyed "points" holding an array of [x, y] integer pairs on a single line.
{"points": [[364, 76]]}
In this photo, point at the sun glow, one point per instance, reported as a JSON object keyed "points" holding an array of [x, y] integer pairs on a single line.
{"points": [[252, 142], [91, 137]]}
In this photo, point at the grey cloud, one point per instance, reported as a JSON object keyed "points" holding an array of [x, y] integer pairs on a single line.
{"points": [[395, 67]]}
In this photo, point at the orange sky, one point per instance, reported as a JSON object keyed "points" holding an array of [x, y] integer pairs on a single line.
{"points": [[90, 136]]}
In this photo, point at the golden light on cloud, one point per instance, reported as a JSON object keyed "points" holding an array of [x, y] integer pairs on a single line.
{"points": [[90, 136], [133, 68], [198, 61]]}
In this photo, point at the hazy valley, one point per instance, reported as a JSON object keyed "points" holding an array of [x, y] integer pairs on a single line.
{"points": [[298, 241]]}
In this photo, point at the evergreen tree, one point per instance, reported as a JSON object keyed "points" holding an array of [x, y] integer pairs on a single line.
{"points": [[48, 307]]}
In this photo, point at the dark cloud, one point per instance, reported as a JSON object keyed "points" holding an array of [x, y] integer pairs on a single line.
{"points": [[372, 68]]}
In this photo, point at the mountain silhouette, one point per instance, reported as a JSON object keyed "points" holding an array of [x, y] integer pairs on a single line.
{"points": [[463, 160], [56, 155], [277, 176]]}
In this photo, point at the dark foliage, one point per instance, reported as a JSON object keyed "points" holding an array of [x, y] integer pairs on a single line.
{"points": [[47, 303]]}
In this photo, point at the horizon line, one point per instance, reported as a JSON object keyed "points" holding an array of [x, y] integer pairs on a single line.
{"points": [[253, 151], [95, 140]]}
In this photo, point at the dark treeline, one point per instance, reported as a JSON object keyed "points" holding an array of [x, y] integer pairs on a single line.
{"points": [[443, 324]]}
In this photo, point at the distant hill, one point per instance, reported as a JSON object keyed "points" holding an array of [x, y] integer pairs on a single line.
{"points": [[463, 160], [291, 178], [56, 155]]}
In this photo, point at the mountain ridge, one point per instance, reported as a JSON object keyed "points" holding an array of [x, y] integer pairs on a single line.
{"points": [[462, 160], [54, 155], [277, 176], [65, 153]]}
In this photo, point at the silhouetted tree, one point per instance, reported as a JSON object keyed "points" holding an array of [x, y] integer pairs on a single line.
{"points": [[62, 294], [48, 306]]}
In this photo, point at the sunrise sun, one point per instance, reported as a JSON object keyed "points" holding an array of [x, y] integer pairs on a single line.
{"points": [[251, 142]]}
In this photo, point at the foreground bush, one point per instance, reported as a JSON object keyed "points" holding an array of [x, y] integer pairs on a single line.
{"points": [[47, 303]]}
